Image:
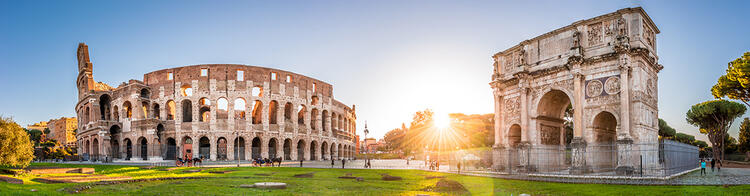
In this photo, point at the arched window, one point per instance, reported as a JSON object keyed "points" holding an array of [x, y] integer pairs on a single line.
{"points": [[239, 108], [314, 119], [186, 90], [116, 114], [171, 110], [288, 111], [324, 121], [205, 114], [301, 114], [204, 101], [145, 93], [156, 111], [144, 107], [257, 111], [104, 106], [187, 110], [272, 111], [222, 106], [257, 91], [128, 109]]}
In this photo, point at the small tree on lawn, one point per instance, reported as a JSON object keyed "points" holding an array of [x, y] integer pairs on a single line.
{"points": [[713, 118], [15, 148]]}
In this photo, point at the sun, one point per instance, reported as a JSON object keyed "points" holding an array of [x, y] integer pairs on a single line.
{"points": [[442, 120]]}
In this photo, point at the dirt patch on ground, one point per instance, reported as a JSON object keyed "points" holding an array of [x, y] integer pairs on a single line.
{"points": [[388, 177], [447, 186], [433, 177], [11, 180], [736, 164], [348, 176], [305, 175], [265, 174]]}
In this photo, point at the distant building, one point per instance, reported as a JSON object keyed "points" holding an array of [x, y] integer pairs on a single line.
{"points": [[38, 126], [63, 130]]}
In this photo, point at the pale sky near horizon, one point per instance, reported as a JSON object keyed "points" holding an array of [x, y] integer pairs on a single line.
{"points": [[389, 58]]}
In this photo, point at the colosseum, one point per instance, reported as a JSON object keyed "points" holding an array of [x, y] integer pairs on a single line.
{"points": [[215, 111]]}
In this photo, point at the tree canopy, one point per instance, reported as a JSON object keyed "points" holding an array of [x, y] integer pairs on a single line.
{"points": [[735, 84], [15, 148], [665, 131], [713, 118]]}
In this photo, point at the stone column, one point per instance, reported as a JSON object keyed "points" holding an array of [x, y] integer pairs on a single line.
{"points": [[264, 147], [498, 120], [578, 144], [230, 147], [624, 138], [525, 146], [213, 149]]}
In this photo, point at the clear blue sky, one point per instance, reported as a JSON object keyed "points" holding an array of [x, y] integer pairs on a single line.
{"points": [[390, 58]]}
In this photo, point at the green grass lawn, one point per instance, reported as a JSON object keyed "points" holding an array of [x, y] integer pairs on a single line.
{"points": [[326, 182]]}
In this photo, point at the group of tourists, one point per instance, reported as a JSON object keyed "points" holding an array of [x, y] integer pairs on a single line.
{"points": [[715, 163], [434, 165], [343, 163]]}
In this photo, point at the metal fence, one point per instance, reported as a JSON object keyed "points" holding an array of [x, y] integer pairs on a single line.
{"points": [[658, 159]]}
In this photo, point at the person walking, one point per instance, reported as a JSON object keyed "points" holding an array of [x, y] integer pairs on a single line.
{"points": [[459, 167], [343, 163], [713, 162], [300, 162], [332, 163], [719, 164], [703, 167]]}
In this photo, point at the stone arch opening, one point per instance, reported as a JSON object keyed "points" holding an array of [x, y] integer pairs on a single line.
{"points": [[288, 111], [145, 93], [221, 150], [114, 135], [514, 135], [187, 147], [204, 148], [171, 149], [313, 148], [314, 119], [127, 109], [222, 106], [272, 146], [604, 131], [301, 150], [159, 131], [87, 148], [128, 149], [115, 113], [324, 151], [550, 117], [332, 150], [105, 102], [324, 121], [287, 149], [144, 107], [257, 112], [171, 110], [239, 148], [239, 109], [186, 90], [256, 148], [143, 144], [156, 112], [257, 91], [301, 115], [205, 114], [187, 110], [95, 149]]}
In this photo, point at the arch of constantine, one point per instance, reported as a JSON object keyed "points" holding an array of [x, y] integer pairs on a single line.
{"points": [[597, 77], [214, 111]]}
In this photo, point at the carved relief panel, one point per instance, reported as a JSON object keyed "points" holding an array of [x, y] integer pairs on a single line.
{"points": [[595, 34], [550, 135], [602, 86]]}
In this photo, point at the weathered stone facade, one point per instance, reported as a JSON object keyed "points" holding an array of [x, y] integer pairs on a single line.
{"points": [[217, 111], [604, 69]]}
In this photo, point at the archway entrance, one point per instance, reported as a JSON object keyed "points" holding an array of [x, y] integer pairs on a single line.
{"points": [[239, 148], [95, 149], [301, 150], [114, 134], [514, 135], [187, 147], [221, 150], [272, 148], [204, 148], [323, 151], [313, 147], [256, 148], [128, 149], [171, 149], [605, 150], [287, 149], [144, 148], [550, 117]]}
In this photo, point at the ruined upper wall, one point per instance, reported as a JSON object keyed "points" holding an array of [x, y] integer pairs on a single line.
{"points": [[222, 73], [586, 38]]}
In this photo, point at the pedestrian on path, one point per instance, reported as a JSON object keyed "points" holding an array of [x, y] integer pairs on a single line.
{"points": [[459, 167], [332, 163], [343, 163], [713, 162], [703, 167], [300, 162], [720, 164]]}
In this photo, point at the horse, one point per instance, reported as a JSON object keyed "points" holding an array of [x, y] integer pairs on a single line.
{"points": [[276, 160], [198, 161]]}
